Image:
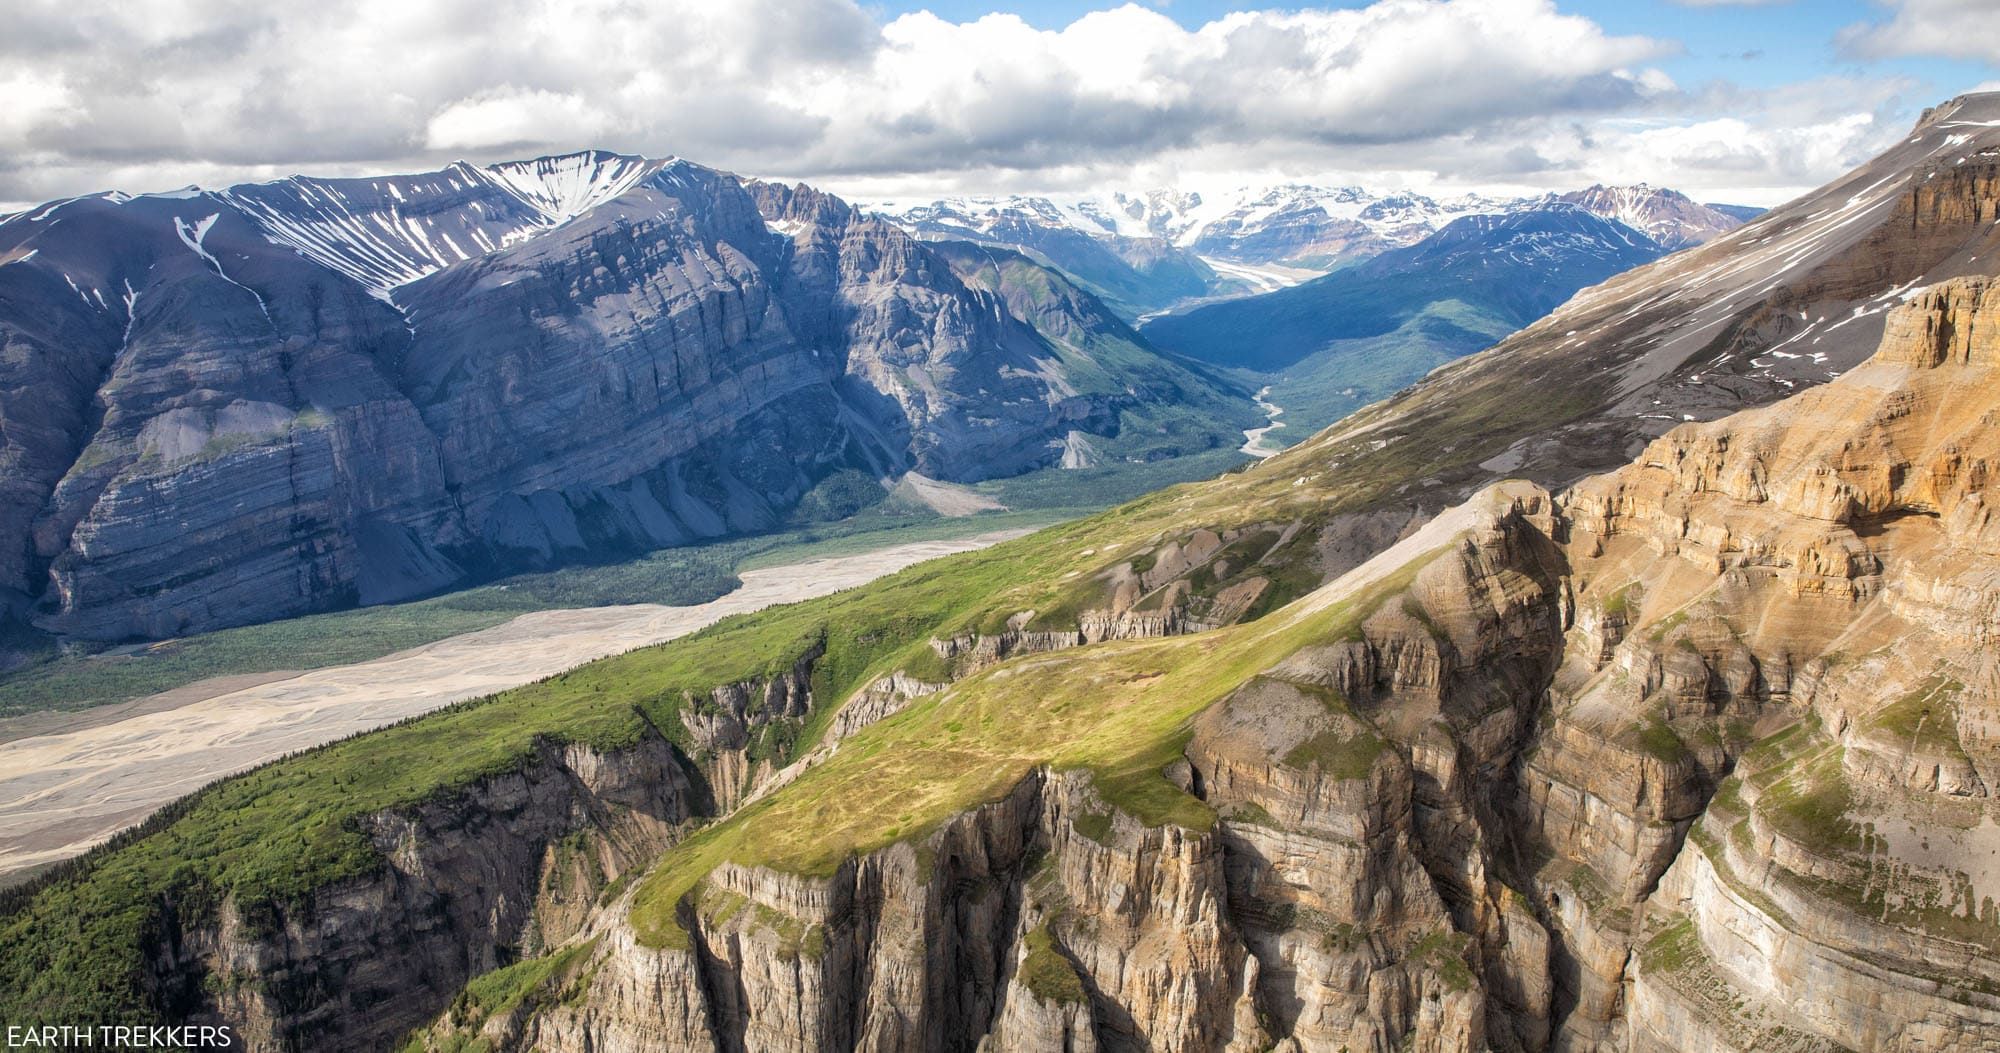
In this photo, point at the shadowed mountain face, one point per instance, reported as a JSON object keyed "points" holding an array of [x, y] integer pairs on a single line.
{"points": [[1515, 267], [1336, 343], [222, 407], [1138, 272]]}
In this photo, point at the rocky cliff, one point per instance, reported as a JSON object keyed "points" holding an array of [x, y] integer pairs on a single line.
{"points": [[1696, 754], [236, 405], [1815, 579], [460, 882]]}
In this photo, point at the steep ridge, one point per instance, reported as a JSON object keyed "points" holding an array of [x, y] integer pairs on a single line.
{"points": [[296, 395], [1695, 756], [383, 238], [1694, 335], [125, 320], [1163, 925], [1785, 301], [1164, 401], [391, 231]]}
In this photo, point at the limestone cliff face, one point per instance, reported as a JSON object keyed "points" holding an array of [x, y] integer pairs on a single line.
{"points": [[514, 863], [225, 407], [1323, 908], [1700, 754], [1003, 931], [1816, 578]]}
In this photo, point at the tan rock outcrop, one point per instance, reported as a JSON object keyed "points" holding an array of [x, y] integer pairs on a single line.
{"points": [[1697, 755]]}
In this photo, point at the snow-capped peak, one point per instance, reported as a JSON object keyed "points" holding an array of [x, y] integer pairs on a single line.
{"points": [[1667, 216], [1301, 224], [389, 231], [1254, 223], [566, 186]]}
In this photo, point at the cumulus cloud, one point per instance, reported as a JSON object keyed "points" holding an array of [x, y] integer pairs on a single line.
{"points": [[35, 101], [220, 90], [509, 116], [1766, 144], [1951, 28]]}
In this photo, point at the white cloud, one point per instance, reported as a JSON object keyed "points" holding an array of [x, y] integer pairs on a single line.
{"points": [[1442, 90], [34, 100], [999, 91], [1962, 29], [1753, 147], [510, 116]]}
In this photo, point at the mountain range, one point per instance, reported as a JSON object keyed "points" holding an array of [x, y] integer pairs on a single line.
{"points": [[1147, 252], [371, 389], [1330, 345], [219, 407], [1623, 687]]}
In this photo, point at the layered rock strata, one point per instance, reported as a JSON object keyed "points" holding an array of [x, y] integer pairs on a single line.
{"points": [[1697, 755], [231, 406]]}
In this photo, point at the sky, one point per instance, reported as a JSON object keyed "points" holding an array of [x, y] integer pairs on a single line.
{"points": [[1744, 102]]}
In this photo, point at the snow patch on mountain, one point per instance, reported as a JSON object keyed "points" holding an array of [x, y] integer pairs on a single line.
{"points": [[563, 188], [388, 232]]}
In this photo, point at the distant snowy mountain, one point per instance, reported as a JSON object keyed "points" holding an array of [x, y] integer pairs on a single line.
{"points": [[1667, 216], [1319, 228], [1136, 271], [1294, 224], [1256, 238], [1332, 344]]}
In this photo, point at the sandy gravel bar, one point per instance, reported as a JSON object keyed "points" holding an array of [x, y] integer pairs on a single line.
{"points": [[62, 792]]}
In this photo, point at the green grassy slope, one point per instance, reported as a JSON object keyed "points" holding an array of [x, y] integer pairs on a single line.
{"points": [[1119, 710], [70, 946], [1346, 375]]}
